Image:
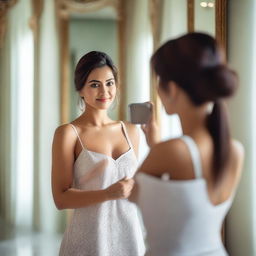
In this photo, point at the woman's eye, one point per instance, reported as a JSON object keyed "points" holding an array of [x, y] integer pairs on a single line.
{"points": [[110, 83], [94, 85]]}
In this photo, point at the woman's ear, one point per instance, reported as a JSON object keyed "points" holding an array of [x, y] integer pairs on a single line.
{"points": [[173, 90]]}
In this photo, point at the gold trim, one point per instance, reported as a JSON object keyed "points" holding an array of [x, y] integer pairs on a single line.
{"points": [[37, 9], [122, 58], [73, 6], [221, 23], [220, 20], [5, 6], [191, 15]]}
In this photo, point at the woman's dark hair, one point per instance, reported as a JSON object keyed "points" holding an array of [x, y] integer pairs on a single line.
{"points": [[196, 63], [90, 61]]}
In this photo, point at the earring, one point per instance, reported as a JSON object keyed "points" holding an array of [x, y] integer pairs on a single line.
{"points": [[81, 103], [115, 103]]}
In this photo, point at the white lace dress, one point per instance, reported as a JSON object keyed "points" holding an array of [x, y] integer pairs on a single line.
{"points": [[112, 228]]}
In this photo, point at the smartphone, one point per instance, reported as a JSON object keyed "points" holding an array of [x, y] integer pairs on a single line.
{"points": [[140, 113]]}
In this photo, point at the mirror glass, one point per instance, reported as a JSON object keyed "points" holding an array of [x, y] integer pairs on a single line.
{"points": [[34, 70]]}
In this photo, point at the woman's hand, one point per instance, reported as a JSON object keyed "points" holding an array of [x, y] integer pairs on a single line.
{"points": [[151, 129], [120, 190]]}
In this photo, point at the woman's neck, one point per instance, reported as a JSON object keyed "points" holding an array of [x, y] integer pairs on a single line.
{"points": [[193, 119], [95, 117]]}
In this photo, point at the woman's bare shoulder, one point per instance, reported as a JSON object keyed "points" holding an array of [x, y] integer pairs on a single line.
{"points": [[237, 154], [237, 148], [130, 126], [131, 129], [171, 148], [65, 132], [168, 156]]}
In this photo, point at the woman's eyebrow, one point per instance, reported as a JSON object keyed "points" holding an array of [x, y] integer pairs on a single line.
{"points": [[97, 81], [93, 81]]}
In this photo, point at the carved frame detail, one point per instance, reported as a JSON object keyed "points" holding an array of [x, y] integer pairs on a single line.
{"points": [[5, 6]]}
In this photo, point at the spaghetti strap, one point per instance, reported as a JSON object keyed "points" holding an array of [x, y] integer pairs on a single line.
{"points": [[74, 128], [126, 134], [195, 155]]}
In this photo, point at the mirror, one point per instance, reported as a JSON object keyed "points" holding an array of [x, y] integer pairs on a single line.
{"points": [[210, 17], [30, 28]]}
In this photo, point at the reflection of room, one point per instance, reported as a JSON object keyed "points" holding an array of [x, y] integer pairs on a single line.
{"points": [[31, 100], [205, 16], [87, 32]]}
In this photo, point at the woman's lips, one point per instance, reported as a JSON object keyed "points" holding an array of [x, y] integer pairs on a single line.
{"points": [[103, 100]]}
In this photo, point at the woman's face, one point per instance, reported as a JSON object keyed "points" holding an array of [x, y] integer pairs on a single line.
{"points": [[100, 88]]}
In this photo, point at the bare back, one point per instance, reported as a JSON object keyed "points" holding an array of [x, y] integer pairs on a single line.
{"points": [[173, 157]]}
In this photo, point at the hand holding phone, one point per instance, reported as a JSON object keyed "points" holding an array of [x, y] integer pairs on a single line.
{"points": [[140, 113]]}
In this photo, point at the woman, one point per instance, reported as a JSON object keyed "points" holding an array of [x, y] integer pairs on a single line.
{"points": [[94, 160], [183, 212]]}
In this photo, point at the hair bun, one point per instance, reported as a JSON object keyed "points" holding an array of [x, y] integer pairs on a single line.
{"points": [[216, 82]]}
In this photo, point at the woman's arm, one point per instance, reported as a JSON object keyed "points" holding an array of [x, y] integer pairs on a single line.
{"points": [[63, 159]]}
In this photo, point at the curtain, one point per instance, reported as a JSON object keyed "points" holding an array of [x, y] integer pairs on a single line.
{"points": [[17, 162], [27, 125]]}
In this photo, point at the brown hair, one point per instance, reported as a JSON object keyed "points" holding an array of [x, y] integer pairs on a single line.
{"points": [[195, 62], [90, 61]]}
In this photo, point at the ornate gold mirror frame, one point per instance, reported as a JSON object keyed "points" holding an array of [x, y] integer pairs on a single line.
{"points": [[64, 9], [220, 20]]}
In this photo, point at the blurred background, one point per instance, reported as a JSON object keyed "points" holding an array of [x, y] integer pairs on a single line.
{"points": [[40, 44]]}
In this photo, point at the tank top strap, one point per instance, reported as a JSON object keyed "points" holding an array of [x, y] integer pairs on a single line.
{"points": [[74, 128], [195, 155], [126, 134]]}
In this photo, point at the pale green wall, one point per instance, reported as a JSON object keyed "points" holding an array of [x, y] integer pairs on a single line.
{"points": [[241, 55], [90, 35], [204, 18], [174, 20], [174, 24]]}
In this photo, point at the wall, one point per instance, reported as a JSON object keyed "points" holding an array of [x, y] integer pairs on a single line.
{"points": [[240, 230]]}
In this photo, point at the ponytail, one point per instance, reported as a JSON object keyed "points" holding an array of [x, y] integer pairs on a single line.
{"points": [[217, 124]]}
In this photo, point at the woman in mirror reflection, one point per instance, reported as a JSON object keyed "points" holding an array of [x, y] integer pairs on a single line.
{"points": [[186, 185], [94, 160]]}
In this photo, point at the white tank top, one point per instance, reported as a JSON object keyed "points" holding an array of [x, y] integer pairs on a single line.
{"points": [[179, 217], [111, 228]]}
